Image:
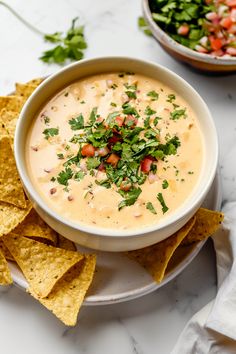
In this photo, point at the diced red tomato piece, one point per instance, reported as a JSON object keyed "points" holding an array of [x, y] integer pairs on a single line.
{"points": [[216, 43], [101, 167], [231, 3], [226, 22], [88, 150], [131, 121], [119, 121], [125, 186], [183, 30], [114, 139], [113, 159], [146, 164]]}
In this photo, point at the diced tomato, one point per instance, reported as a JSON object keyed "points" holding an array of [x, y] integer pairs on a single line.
{"points": [[125, 186], [146, 164], [88, 150], [231, 3], [113, 159], [114, 139], [131, 121], [216, 43], [183, 30], [101, 167], [119, 121], [226, 22]]}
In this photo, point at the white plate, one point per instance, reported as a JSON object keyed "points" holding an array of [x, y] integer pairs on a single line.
{"points": [[120, 279]]}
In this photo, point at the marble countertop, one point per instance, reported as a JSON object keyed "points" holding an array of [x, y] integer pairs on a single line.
{"points": [[152, 323]]}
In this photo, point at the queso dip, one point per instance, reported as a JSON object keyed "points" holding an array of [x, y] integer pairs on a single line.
{"points": [[115, 150]]}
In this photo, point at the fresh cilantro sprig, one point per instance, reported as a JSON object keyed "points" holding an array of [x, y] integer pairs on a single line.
{"points": [[143, 26], [162, 202], [69, 46], [49, 132]]}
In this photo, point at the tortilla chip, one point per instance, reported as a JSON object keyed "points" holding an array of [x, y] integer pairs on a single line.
{"points": [[35, 82], [3, 131], [155, 258], [11, 103], [5, 251], [11, 128], [24, 90], [66, 244], [35, 228], [11, 216], [68, 294], [207, 223], [7, 116], [11, 190], [41, 265], [5, 275]]}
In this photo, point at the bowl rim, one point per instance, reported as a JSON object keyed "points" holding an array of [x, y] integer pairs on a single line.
{"points": [[108, 232], [165, 39]]}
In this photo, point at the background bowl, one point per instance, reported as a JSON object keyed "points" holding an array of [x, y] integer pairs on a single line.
{"points": [[112, 239], [204, 62]]}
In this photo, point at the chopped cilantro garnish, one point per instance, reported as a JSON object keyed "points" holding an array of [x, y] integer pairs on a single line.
{"points": [[60, 156], [53, 179], [153, 94], [156, 120], [93, 115], [79, 175], [171, 98], [92, 163], [162, 202], [130, 197], [64, 176], [46, 119], [178, 113], [50, 132], [150, 207], [165, 184], [131, 94], [131, 87], [128, 109], [148, 111], [77, 123], [113, 104], [143, 26], [104, 183]]}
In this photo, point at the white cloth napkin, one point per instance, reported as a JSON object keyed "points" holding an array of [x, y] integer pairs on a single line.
{"points": [[213, 329]]}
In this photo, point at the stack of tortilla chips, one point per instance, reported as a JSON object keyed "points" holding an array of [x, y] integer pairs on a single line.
{"points": [[57, 274]]}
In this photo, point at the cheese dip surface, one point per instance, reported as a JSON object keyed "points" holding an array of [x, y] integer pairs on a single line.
{"points": [[115, 150]]}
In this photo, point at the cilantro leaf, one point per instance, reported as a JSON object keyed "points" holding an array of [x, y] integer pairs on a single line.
{"points": [[153, 94], [128, 109], [130, 197], [148, 111], [150, 207], [92, 163], [69, 46], [104, 183], [79, 175], [162, 202], [131, 94], [50, 132], [178, 113], [93, 114], [143, 26], [165, 184], [77, 123], [64, 176]]}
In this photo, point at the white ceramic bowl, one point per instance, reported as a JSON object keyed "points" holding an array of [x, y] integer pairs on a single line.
{"points": [[112, 239]]}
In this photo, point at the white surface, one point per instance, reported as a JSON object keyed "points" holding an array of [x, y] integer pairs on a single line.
{"points": [[119, 279], [152, 323]]}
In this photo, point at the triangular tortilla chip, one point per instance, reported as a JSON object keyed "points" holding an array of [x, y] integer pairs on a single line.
{"points": [[3, 131], [11, 216], [207, 223], [68, 294], [24, 90], [66, 244], [5, 251], [11, 127], [5, 275], [35, 228], [11, 103], [41, 265], [35, 82], [7, 116], [155, 258], [11, 190]]}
